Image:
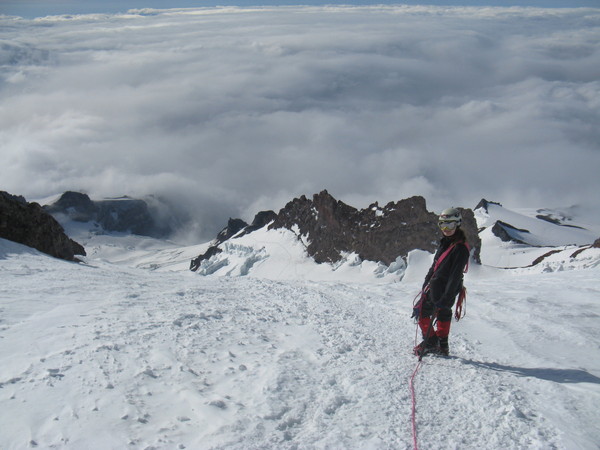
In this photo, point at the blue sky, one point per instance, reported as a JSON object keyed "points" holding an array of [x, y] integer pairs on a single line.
{"points": [[38, 8]]}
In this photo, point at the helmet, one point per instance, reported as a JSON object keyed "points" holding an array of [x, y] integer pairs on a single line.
{"points": [[451, 215]]}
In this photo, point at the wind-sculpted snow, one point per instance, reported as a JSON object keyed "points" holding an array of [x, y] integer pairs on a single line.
{"points": [[281, 255], [247, 257], [109, 356]]}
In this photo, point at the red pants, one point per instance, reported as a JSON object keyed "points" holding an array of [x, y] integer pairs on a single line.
{"points": [[442, 328]]}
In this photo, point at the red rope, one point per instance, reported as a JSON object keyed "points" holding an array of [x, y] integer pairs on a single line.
{"points": [[414, 406], [412, 384], [461, 305]]}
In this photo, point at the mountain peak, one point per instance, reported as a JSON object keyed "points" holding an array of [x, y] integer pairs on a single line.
{"points": [[484, 204], [330, 228]]}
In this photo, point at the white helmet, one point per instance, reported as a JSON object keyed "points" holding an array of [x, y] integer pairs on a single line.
{"points": [[451, 215]]}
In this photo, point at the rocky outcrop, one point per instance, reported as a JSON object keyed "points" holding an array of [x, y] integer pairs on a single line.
{"points": [[507, 233], [123, 214], [376, 233], [580, 250], [484, 204], [260, 220], [28, 224], [234, 227]]}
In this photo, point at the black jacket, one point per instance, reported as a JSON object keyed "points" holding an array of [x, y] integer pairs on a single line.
{"points": [[447, 280]]}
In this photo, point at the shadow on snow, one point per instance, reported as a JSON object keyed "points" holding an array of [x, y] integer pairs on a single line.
{"points": [[556, 375]]}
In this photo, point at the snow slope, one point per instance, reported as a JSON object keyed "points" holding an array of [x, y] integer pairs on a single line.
{"points": [[111, 355], [564, 239], [274, 254], [538, 232]]}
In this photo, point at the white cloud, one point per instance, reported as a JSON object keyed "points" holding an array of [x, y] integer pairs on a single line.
{"points": [[234, 108]]}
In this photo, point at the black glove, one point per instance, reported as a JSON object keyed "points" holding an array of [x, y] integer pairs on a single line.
{"points": [[416, 312]]}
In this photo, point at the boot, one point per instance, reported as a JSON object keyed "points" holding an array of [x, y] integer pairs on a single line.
{"points": [[443, 329], [429, 345], [444, 349]]}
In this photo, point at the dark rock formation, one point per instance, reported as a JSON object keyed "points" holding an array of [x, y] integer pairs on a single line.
{"points": [[28, 224], [483, 204], [555, 221], [507, 233], [121, 214], [539, 259], [234, 227], [580, 250], [549, 218], [212, 251], [260, 220], [377, 234]]}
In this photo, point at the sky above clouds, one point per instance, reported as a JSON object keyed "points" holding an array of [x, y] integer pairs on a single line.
{"points": [[234, 110], [40, 8]]}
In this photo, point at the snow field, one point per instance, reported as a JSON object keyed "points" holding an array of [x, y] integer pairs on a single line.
{"points": [[105, 356]]}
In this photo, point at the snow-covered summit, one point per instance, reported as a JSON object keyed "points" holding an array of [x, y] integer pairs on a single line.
{"points": [[538, 228], [546, 238]]}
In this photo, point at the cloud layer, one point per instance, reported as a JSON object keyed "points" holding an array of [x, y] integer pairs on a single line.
{"points": [[234, 110]]}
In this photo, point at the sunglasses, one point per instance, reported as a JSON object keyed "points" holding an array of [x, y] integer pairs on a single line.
{"points": [[446, 225]]}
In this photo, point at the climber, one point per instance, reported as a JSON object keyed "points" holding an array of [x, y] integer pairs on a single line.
{"points": [[443, 283]]}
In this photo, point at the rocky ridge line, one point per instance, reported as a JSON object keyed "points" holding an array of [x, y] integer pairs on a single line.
{"points": [[331, 227], [28, 224]]}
